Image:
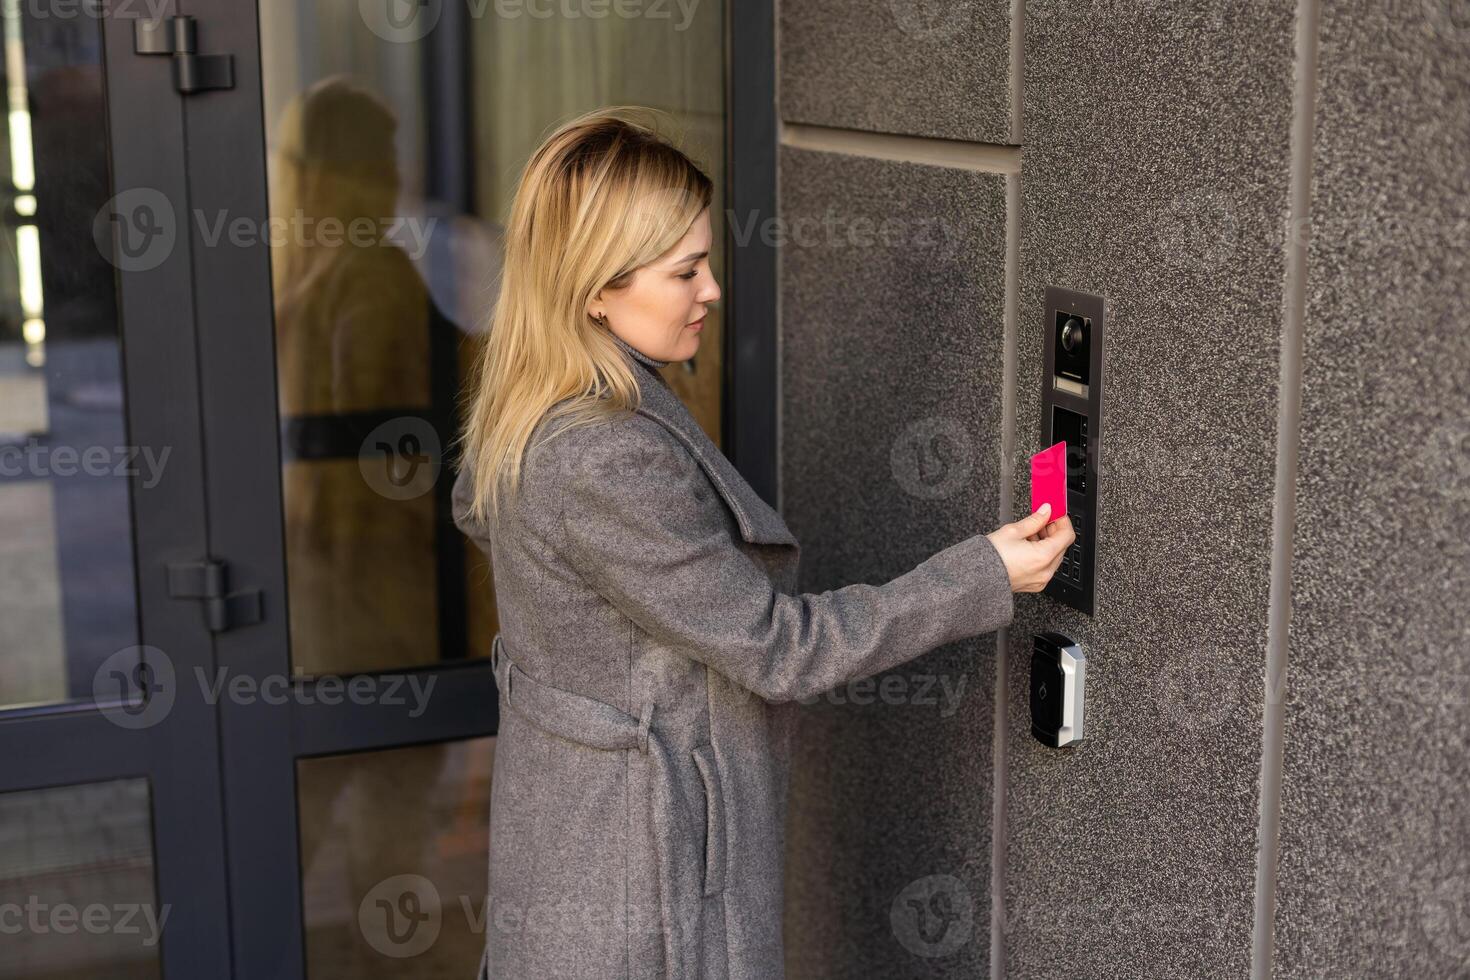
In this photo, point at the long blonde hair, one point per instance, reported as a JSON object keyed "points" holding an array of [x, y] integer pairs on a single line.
{"points": [[603, 195]]}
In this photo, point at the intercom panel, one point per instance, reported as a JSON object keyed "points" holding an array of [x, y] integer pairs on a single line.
{"points": [[1071, 411]]}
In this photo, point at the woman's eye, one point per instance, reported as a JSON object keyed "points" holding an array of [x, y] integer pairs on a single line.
{"points": [[689, 275]]}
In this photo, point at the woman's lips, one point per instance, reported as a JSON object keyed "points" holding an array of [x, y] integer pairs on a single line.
{"points": [[696, 325]]}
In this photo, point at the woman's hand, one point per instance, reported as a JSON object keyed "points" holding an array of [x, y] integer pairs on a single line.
{"points": [[1032, 549]]}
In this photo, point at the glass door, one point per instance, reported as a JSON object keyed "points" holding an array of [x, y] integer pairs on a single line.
{"points": [[366, 160], [111, 826]]}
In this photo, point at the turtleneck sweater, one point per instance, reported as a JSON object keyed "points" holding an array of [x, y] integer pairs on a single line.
{"points": [[637, 354]]}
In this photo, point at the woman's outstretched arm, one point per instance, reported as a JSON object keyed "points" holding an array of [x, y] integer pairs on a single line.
{"points": [[636, 520]]}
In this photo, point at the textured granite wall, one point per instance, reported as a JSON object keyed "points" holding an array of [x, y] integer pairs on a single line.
{"points": [[1157, 178], [1374, 871], [892, 386], [892, 348], [1157, 168], [898, 66]]}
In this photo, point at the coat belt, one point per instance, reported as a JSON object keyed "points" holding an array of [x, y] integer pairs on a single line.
{"points": [[599, 725]]}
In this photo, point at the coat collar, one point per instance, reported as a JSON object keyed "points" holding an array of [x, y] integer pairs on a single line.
{"points": [[759, 522]]}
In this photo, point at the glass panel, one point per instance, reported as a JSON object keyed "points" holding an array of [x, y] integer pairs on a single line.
{"points": [[76, 883], [394, 856], [414, 131], [66, 560], [550, 68]]}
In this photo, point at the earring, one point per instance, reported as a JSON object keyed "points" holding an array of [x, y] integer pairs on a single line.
{"points": [[601, 319]]}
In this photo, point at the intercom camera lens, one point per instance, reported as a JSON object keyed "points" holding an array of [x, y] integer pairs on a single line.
{"points": [[1073, 334]]}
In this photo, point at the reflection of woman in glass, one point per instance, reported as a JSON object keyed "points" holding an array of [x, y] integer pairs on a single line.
{"points": [[654, 643], [353, 351], [353, 324]]}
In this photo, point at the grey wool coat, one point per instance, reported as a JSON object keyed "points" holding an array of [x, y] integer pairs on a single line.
{"points": [[652, 652]]}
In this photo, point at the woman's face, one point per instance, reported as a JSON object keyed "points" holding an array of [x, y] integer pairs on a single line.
{"points": [[661, 310]]}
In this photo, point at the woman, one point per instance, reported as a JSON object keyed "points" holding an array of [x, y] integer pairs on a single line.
{"points": [[652, 645]]}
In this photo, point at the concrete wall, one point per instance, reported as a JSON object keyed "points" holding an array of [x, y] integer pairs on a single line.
{"points": [[1262, 762]]}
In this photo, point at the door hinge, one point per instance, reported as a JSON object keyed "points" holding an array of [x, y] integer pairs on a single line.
{"points": [[178, 36], [209, 580]]}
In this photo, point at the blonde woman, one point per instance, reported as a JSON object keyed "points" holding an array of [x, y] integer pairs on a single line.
{"points": [[653, 645]]}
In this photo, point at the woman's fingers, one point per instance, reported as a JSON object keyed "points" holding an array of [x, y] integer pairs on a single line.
{"points": [[1059, 537], [1034, 523], [1032, 549]]}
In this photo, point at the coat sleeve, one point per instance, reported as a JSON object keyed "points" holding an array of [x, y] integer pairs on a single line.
{"points": [[640, 522]]}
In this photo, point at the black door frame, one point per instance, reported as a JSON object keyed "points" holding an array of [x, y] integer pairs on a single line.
{"points": [[177, 750], [752, 384]]}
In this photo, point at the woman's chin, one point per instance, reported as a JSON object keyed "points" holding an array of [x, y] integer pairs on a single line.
{"points": [[687, 348]]}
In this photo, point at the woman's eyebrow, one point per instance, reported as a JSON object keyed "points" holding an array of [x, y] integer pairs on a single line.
{"points": [[691, 256]]}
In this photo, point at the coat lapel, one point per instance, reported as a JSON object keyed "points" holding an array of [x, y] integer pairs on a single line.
{"points": [[759, 522]]}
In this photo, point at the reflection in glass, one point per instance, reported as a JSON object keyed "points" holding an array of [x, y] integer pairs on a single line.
{"points": [[356, 337], [416, 138], [76, 883], [394, 857], [66, 561]]}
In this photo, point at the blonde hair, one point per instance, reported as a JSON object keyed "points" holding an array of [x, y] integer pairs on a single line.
{"points": [[603, 195]]}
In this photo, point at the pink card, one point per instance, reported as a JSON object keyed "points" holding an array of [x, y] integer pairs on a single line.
{"points": [[1049, 480]]}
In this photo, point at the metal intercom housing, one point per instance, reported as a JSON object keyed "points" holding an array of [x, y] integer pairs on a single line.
{"points": [[1058, 689], [1071, 411]]}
